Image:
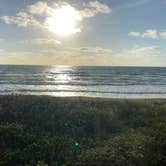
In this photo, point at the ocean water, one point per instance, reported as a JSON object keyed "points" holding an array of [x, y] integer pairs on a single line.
{"points": [[107, 82]]}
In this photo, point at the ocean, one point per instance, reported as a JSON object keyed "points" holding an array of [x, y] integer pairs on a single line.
{"points": [[105, 82]]}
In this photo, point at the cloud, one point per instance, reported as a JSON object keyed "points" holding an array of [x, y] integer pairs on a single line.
{"points": [[59, 56], [37, 14], [94, 7], [39, 8], [20, 57], [135, 56], [99, 7], [81, 51], [149, 33], [145, 51], [42, 41], [151, 55], [162, 34], [22, 19], [95, 50], [134, 34]]}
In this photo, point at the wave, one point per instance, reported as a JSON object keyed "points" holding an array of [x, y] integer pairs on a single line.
{"points": [[99, 81], [79, 91]]}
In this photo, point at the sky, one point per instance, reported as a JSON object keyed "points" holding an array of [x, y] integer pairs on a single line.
{"points": [[83, 33]]}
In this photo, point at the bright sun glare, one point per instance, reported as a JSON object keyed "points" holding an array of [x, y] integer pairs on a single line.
{"points": [[63, 21]]}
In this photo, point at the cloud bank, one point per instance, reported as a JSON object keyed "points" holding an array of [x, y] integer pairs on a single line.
{"points": [[58, 54]]}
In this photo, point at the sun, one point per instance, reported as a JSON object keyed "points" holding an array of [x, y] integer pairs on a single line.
{"points": [[63, 21]]}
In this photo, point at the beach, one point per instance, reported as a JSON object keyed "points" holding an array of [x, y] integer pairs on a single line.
{"points": [[82, 83], [81, 131]]}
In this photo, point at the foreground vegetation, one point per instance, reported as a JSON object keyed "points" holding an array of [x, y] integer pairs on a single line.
{"points": [[47, 131]]}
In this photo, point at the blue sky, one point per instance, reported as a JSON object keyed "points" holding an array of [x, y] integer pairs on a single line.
{"points": [[111, 32]]}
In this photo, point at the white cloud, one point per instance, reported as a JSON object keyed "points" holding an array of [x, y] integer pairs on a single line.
{"points": [[39, 8], [99, 7], [145, 51], [42, 41], [22, 19], [96, 50], [93, 8], [37, 14], [61, 55], [152, 55], [162, 34], [149, 33], [80, 51], [134, 34]]}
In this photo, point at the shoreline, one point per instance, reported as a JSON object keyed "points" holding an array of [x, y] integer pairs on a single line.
{"points": [[83, 97], [157, 66]]}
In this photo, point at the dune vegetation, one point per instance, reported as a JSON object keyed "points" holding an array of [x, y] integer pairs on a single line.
{"points": [[50, 131]]}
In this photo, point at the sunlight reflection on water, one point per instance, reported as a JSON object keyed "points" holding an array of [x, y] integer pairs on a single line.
{"points": [[109, 82]]}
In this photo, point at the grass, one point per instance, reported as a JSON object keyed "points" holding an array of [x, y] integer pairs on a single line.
{"points": [[43, 130]]}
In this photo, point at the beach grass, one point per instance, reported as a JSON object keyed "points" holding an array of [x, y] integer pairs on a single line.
{"points": [[69, 131]]}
